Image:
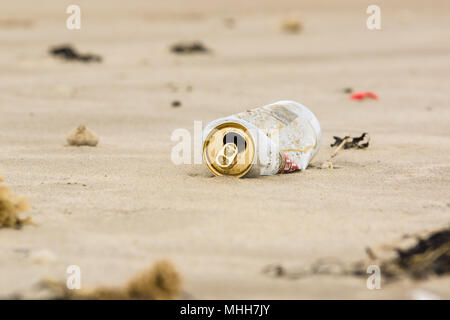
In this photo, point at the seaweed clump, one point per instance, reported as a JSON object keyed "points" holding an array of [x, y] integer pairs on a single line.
{"points": [[348, 142], [67, 52], [160, 282], [82, 136], [429, 256], [11, 205], [189, 48]]}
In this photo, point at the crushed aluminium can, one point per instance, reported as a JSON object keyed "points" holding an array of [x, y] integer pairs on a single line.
{"points": [[277, 138]]}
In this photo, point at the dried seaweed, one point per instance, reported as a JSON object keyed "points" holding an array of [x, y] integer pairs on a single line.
{"points": [[11, 205], [360, 142], [67, 52], [159, 282], [189, 48], [82, 136], [428, 256]]}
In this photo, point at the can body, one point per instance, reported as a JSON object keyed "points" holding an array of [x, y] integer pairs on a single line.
{"points": [[277, 138]]}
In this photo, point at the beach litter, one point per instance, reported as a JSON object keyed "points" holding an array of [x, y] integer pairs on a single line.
{"points": [[11, 205], [281, 137], [67, 52], [189, 48], [159, 282], [327, 165], [82, 136], [363, 95]]}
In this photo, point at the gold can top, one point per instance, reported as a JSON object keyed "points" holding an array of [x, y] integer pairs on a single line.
{"points": [[229, 149]]}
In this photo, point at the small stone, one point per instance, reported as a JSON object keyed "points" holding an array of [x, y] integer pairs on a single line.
{"points": [[176, 103], [82, 136], [347, 90], [292, 25]]}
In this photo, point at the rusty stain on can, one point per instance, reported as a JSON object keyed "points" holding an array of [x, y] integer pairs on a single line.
{"points": [[278, 138]]}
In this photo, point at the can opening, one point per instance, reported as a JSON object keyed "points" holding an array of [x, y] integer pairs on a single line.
{"points": [[236, 139]]}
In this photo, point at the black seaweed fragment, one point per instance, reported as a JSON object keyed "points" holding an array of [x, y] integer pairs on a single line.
{"points": [[189, 47], [347, 90], [429, 256], [176, 103], [352, 142], [67, 52]]}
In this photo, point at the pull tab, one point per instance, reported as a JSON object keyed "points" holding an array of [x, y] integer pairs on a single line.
{"points": [[226, 156]]}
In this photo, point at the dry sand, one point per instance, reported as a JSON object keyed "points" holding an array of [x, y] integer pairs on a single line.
{"points": [[116, 208]]}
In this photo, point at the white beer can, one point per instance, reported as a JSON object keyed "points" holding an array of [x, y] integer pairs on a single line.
{"points": [[278, 138]]}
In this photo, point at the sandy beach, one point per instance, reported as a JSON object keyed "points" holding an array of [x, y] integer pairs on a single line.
{"points": [[116, 208]]}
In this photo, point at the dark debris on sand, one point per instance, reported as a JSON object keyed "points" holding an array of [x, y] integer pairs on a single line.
{"points": [[67, 52], [347, 90], [428, 256], [176, 103], [159, 282], [189, 48], [360, 142]]}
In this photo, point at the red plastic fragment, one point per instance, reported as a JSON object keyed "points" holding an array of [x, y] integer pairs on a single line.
{"points": [[363, 95]]}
